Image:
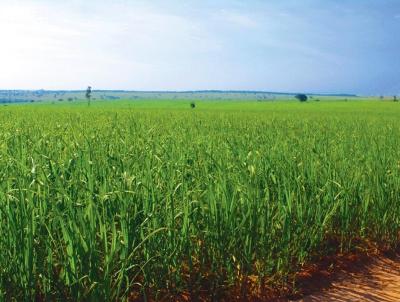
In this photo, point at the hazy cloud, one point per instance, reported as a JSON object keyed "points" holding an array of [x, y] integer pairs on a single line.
{"points": [[238, 19]]}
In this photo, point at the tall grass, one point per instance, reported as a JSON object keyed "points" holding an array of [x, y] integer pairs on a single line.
{"points": [[107, 203]]}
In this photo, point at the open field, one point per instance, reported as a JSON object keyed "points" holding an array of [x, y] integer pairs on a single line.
{"points": [[19, 96], [152, 199]]}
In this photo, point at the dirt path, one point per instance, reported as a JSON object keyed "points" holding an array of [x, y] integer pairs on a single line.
{"points": [[378, 280]]}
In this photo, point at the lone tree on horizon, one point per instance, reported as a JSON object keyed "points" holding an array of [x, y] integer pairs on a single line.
{"points": [[88, 94], [301, 97]]}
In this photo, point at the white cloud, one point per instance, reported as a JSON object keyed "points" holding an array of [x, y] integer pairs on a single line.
{"points": [[64, 46]]}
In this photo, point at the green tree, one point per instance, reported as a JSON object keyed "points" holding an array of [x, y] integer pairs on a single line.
{"points": [[88, 94], [301, 97]]}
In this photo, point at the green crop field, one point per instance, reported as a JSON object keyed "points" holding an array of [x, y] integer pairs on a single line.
{"points": [[153, 199]]}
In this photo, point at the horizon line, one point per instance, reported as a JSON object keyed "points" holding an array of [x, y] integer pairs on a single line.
{"points": [[193, 91]]}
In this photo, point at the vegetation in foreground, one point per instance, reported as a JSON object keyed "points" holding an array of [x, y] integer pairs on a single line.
{"points": [[128, 201]]}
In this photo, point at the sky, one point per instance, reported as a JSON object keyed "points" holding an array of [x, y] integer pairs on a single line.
{"points": [[319, 46]]}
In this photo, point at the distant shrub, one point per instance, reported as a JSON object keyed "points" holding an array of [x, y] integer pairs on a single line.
{"points": [[301, 97], [317, 100], [192, 105], [395, 98]]}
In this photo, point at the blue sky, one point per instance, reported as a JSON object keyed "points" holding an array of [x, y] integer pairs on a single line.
{"points": [[321, 46]]}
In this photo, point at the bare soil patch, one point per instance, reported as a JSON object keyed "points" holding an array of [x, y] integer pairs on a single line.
{"points": [[363, 278]]}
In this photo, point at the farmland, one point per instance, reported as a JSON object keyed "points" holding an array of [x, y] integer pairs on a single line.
{"points": [[151, 199]]}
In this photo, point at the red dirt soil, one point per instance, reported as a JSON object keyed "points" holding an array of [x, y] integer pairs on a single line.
{"points": [[367, 278]]}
